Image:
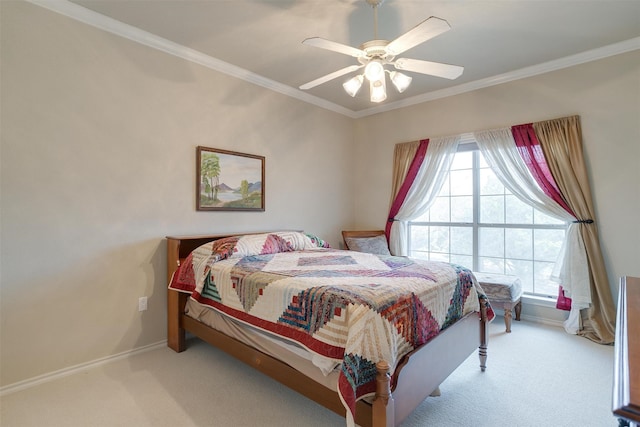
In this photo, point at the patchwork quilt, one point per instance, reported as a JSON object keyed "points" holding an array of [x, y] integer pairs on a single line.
{"points": [[351, 307]]}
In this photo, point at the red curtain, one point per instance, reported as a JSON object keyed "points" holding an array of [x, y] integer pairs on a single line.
{"points": [[406, 184], [531, 152]]}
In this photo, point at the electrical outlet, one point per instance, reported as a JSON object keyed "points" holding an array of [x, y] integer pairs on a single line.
{"points": [[142, 303]]}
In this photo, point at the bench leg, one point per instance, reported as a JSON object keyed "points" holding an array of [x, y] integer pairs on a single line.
{"points": [[507, 317], [518, 309]]}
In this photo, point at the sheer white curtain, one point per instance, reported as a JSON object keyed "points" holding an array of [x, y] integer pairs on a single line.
{"points": [[571, 269], [425, 188]]}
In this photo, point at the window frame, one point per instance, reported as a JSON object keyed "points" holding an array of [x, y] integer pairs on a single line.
{"points": [[476, 225]]}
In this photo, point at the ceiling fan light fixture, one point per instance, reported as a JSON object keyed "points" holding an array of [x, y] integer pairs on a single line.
{"points": [[400, 81], [353, 85], [376, 54], [378, 89], [374, 71]]}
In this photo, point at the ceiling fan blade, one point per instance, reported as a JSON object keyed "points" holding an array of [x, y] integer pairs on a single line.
{"points": [[333, 46], [427, 29], [331, 76], [427, 67]]}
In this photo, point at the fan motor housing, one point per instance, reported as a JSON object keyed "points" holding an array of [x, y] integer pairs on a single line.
{"points": [[375, 49]]}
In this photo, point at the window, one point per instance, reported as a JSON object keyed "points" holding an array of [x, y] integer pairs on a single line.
{"points": [[476, 222]]}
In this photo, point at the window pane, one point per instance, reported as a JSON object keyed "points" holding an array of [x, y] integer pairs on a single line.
{"points": [[544, 284], [439, 239], [540, 218], [489, 183], [518, 243], [465, 261], [419, 255], [547, 244], [517, 212], [461, 182], [462, 209], [491, 242], [439, 257], [491, 265], [440, 210], [463, 160], [462, 240], [419, 238], [524, 270], [492, 209]]}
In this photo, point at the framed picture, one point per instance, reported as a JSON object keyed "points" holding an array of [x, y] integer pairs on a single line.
{"points": [[229, 181]]}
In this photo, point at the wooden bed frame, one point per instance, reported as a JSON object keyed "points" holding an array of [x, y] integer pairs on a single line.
{"points": [[417, 375]]}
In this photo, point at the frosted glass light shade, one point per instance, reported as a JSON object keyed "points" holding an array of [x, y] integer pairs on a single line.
{"points": [[374, 71], [400, 81], [352, 86], [378, 90]]}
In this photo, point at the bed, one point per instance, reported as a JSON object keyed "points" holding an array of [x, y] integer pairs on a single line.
{"points": [[376, 387]]}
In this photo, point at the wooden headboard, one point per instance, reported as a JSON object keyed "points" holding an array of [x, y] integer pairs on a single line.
{"points": [[178, 248]]}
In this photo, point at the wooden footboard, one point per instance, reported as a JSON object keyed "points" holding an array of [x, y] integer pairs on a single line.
{"points": [[419, 374]]}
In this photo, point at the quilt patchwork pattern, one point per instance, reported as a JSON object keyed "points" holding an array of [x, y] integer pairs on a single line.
{"points": [[353, 307]]}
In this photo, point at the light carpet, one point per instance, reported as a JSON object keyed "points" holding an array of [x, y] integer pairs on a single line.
{"points": [[537, 376]]}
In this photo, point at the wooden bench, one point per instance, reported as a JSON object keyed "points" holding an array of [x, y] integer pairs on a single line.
{"points": [[503, 292]]}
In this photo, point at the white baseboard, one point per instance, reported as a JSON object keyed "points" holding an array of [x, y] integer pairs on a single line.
{"points": [[40, 379], [540, 313], [542, 320], [539, 310]]}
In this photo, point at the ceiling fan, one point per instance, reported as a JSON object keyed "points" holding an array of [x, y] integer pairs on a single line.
{"points": [[375, 54]]}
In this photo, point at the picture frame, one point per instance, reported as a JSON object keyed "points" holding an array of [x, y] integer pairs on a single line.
{"points": [[229, 181]]}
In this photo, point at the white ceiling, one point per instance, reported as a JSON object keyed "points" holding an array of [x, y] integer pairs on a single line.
{"points": [[260, 40]]}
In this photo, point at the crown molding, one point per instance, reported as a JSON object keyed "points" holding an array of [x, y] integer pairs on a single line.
{"points": [[534, 70], [89, 17], [97, 20]]}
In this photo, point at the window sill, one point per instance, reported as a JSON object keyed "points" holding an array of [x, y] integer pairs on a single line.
{"points": [[539, 301]]}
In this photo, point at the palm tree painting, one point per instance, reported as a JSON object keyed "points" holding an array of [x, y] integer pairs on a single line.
{"points": [[227, 180]]}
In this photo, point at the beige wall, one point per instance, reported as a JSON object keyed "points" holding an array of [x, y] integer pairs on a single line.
{"points": [[98, 165], [606, 95]]}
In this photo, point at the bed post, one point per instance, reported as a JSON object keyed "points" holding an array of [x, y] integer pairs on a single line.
{"points": [[175, 333], [383, 413], [482, 350], [175, 300]]}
